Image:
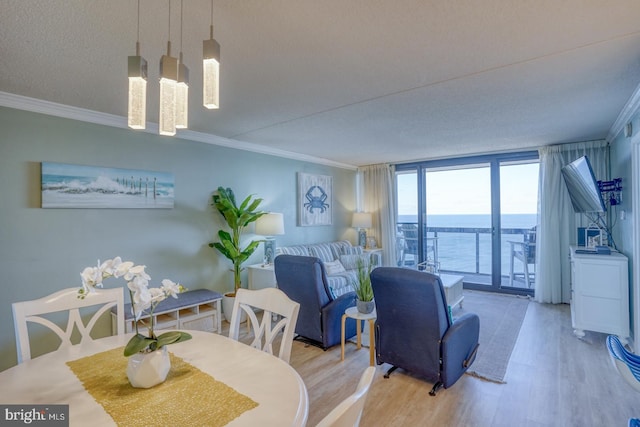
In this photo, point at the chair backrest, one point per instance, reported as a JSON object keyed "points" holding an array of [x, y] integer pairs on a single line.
{"points": [[65, 300], [411, 311], [349, 411], [530, 246], [410, 234], [304, 280], [625, 362], [271, 301]]}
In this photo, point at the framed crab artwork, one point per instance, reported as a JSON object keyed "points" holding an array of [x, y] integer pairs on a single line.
{"points": [[315, 204]]}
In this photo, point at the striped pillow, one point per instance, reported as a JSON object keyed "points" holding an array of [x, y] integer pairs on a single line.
{"points": [[351, 250], [322, 251], [293, 250]]}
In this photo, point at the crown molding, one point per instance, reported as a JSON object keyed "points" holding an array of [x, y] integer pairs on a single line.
{"points": [[627, 113], [35, 105]]}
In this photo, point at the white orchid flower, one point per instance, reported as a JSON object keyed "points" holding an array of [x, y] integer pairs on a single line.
{"points": [[107, 267], [137, 270], [122, 268], [171, 288], [91, 276], [143, 298], [157, 295]]}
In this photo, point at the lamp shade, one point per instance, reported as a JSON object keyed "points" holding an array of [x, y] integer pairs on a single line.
{"points": [[270, 224], [361, 220]]}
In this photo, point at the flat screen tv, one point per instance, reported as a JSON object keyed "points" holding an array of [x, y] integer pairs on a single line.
{"points": [[582, 186]]}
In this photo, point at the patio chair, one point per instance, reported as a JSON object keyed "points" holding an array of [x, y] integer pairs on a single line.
{"points": [[525, 252], [410, 240]]}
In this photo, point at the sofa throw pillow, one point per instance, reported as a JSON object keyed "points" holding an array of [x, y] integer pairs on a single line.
{"points": [[350, 262], [333, 267], [293, 250], [322, 251], [352, 250]]}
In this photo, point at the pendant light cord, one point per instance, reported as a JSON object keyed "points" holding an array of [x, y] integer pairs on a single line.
{"points": [[138, 36], [169, 39], [211, 26]]}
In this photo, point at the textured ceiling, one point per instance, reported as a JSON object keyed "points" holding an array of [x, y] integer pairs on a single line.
{"points": [[356, 82]]}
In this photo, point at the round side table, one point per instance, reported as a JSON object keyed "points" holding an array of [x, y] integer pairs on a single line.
{"points": [[353, 313]]}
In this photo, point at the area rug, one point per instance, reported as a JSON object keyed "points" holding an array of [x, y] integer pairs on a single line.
{"points": [[501, 317]]}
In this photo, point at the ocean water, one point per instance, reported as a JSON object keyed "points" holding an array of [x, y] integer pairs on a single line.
{"points": [[457, 249], [107, 192]]}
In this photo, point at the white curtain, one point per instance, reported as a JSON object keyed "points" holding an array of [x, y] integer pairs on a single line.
{"points": [[378, 196], [558, 223]]}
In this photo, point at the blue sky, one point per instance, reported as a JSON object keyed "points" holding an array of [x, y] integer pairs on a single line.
{"points": [[466, 191]]}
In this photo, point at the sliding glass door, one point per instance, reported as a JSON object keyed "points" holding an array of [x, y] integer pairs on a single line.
{"points": [[458, 206], [473, 217]]}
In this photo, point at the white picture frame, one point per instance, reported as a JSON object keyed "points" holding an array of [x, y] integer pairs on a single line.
{"points": [[315, 199]]}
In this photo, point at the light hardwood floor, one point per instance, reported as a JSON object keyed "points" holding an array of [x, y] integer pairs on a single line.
{"points": [[553, 379]]}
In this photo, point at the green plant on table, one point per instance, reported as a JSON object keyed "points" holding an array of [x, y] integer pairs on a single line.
{"points": [[362, 286], [237, 218]]}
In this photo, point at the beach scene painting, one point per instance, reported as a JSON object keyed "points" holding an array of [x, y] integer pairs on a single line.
{"points": [[78, 186]]}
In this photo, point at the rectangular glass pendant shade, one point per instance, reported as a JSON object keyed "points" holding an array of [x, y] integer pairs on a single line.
{"points": [[137, 111], [182, 98], [168, 87], [211, 74]]}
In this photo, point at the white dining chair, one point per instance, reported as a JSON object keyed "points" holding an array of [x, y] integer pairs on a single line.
{"points": [[33, 311], [349, 411], [273, 302]]}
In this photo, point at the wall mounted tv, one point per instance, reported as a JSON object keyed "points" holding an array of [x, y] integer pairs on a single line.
{"points": [[582, 186]]}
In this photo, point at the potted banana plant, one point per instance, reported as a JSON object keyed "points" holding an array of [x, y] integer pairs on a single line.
{"points": [[237, 218]]}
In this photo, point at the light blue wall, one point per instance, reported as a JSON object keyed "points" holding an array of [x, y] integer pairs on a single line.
{"points": [[44, 250], [623, 229], [620, 159]]}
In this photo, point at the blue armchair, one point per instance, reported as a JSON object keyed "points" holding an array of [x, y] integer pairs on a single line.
{"points": [[304, 280], [413, 328]]}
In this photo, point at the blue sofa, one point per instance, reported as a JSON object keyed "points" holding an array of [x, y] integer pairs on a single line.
{"points": [[304, 280]]}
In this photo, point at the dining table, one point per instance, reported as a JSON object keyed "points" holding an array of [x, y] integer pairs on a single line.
{"points": [[214, 380]]}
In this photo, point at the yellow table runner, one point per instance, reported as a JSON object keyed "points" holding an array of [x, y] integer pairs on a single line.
{"points": [[188, 396]]}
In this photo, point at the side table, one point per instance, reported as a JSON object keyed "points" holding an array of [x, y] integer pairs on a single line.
{"points": [[261, 276], [374, 254], [353, 313]]}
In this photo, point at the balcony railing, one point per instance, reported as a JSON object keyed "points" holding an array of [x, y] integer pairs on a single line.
{"points": [[458, 250]]}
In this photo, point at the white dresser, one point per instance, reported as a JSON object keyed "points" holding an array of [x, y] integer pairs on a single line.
{"points": [[599, 293]]}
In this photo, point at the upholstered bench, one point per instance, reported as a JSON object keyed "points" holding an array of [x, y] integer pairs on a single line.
{"points": [[197, 309]]}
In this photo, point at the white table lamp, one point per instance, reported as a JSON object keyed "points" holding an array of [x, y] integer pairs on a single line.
{"points": [[269, 225], [361, 221]]}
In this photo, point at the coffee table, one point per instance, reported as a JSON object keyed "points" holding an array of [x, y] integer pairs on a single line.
{"points": [[452, 285]]}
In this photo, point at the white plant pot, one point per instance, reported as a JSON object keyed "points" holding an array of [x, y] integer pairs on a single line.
{"points": [[227, 308], [146, 370]]}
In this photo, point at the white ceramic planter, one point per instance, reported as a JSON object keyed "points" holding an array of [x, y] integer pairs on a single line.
{"points": [[227, 308], [146, 370]]}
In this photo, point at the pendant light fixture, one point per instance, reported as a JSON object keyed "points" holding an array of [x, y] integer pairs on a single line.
{"points": [[182, 90], [137, 71], [211, 69], [168, 86]]}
